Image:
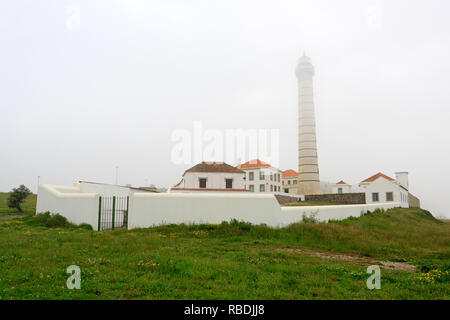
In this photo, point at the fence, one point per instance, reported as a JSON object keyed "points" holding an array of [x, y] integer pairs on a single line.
{"points": [[112, 213]]}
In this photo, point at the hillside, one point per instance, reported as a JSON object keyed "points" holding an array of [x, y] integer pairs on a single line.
{"points": [[231, 260], [29, 206]]}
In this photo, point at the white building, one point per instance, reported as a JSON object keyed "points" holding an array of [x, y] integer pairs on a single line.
{"points": [[341, 187], [261, 176], [211, 176], [381, 188], [289, 181]]}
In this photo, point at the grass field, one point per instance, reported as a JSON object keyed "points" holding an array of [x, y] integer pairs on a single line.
{"points": [[313, 203], [231, 260], [28, 206]]}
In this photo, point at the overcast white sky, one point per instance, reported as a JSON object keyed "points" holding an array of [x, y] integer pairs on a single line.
{"points": [[76, 102]]}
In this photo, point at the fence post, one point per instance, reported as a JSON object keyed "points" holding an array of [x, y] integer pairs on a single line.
{"points": [[113, 211], [99, 212], [128, 201]]}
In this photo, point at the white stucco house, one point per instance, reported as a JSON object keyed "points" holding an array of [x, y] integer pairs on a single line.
{"points": [[261, 176], [341, 187], [381, 188], [211, 177], [289, 181]]}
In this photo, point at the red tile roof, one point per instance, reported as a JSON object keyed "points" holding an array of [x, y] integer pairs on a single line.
{"points": [[342, 182], [290, 173], [214, 167], [376, 176], [254, 164]]}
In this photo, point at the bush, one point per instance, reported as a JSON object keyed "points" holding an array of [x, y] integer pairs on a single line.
{"points": [[53, 221], [57, 221], [311, 218], [85, 226]]}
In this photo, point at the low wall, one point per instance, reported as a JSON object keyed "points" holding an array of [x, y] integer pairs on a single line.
{"points": [[147, 210], [347, 198], [69, 202], [151, 209], [291, 215]]}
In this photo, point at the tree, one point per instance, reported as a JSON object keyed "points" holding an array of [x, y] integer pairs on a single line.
{"points": [[17, 196]]}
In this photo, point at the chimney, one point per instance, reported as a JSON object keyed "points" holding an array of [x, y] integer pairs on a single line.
{"points": [[402, 179]]}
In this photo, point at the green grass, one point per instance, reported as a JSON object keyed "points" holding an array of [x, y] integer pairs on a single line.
{"points": [[29, 206], [228, 261], [314, 203]]}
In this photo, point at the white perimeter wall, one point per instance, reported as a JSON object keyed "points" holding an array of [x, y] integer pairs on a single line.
{"points": [[106, 190], [147, 210], [290, 215], [77, 207]]}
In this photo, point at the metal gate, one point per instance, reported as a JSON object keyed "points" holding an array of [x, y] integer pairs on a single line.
{"points": [[112, 213]]}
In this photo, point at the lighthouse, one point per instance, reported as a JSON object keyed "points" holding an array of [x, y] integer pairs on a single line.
{"points": [[308, 165]]}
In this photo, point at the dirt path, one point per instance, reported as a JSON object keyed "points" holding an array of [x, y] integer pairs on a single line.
{"points": [[403, 266]]}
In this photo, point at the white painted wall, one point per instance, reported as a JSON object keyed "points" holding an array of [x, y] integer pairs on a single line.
{"points": [[106, 190], [291, 215], [215, 180], [147, 210], [382, 186], [69, 202]]}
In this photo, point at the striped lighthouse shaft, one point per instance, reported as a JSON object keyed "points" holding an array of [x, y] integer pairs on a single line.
{"points": [[309, 181]]}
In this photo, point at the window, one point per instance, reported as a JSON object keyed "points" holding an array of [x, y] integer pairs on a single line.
{"points": [[289, 181], [271, 176], [262, 188], [251, 188], [271, 188], [282, 182], [229, 183], [339, 190], [251, 176], [202, 183], [279, 188], [286, 190], [261, 175], [279, 177], [375, 197], [295, 181], [389, 196]]}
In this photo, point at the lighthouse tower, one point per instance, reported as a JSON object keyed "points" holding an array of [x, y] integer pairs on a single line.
{"points": [[308, 166]]}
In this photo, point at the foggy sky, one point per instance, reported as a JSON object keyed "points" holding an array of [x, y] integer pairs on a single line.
{"points": [[76, 102]]}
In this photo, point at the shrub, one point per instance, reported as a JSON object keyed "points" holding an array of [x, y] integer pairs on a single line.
{"points": [[57, 221], [311, 218], [85, 226], [17, 196], [53, 221]]}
